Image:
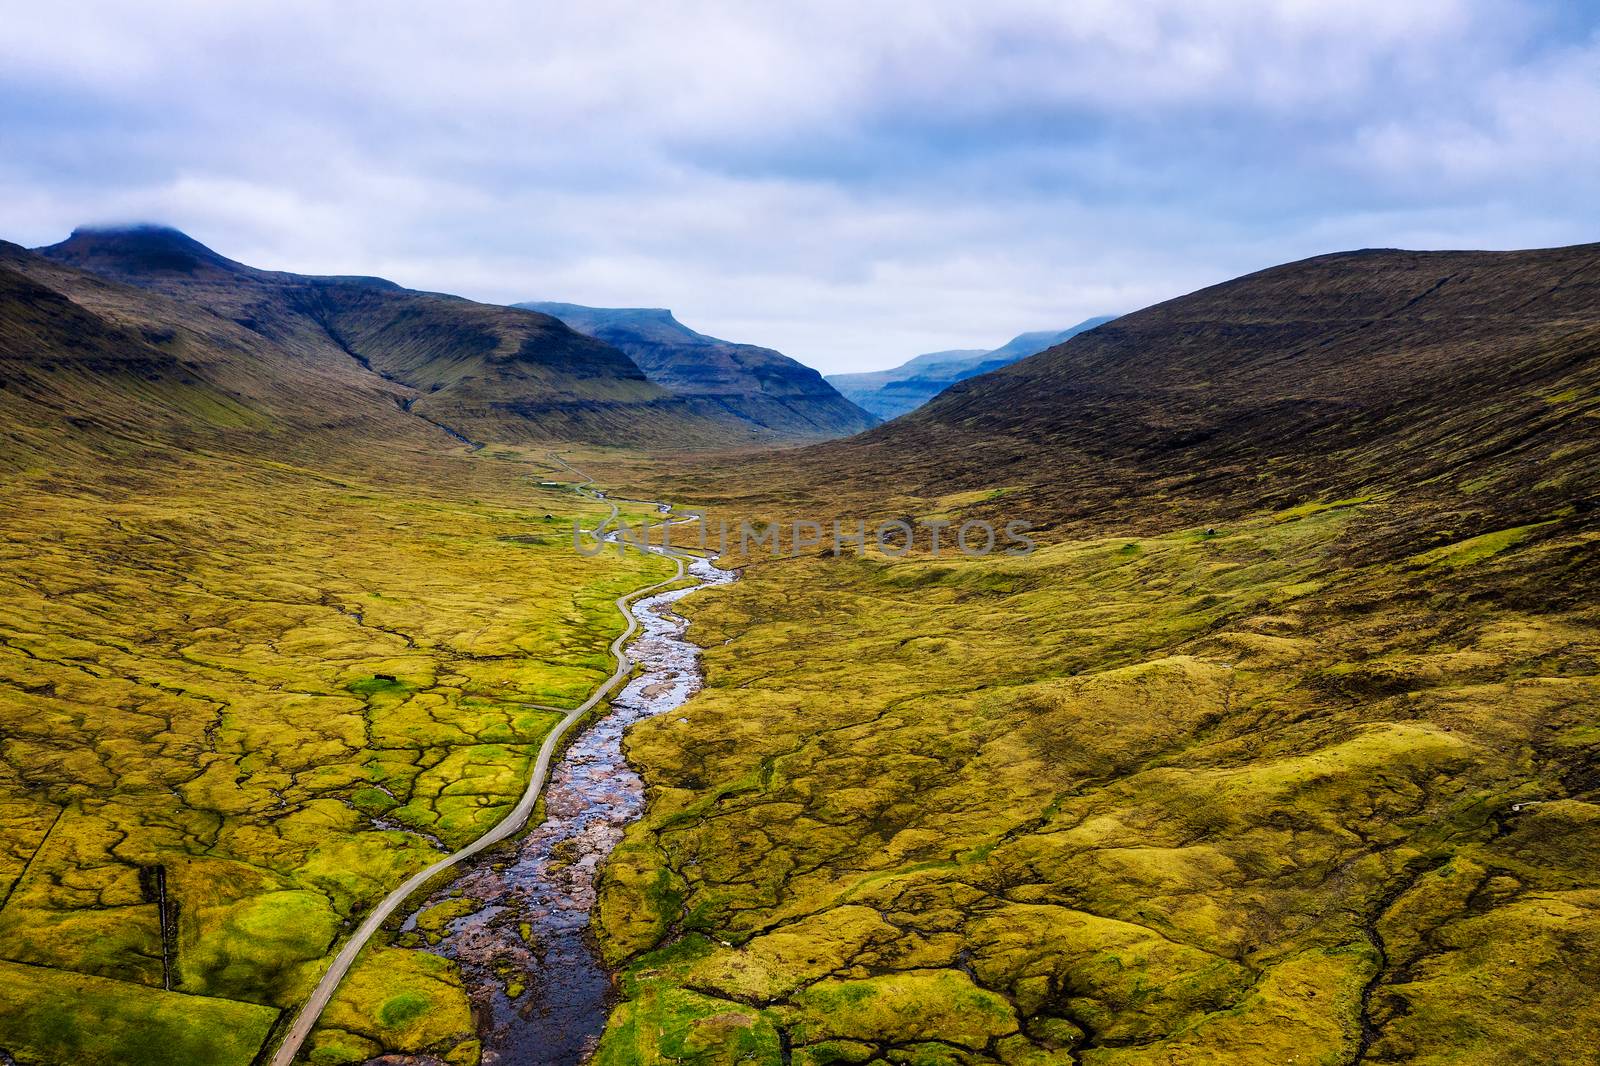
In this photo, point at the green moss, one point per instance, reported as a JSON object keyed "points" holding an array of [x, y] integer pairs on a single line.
{"points": [[1318, 507], [666, 1024], [833, 1053], [1147, 806], [402, 1008], [1477, 549], [55, 1016], [227, 668], [434, 921], [341, 1049], [407, 1001], [903, 1008], [376, 686]]}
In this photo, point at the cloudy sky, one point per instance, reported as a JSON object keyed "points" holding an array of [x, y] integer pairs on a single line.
{"points": [[851, 183]]}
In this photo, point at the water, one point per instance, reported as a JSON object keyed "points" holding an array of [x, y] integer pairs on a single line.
{"points": [[534, 926]]}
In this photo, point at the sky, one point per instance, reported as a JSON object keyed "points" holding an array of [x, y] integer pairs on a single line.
{"points": [[850, 183]]}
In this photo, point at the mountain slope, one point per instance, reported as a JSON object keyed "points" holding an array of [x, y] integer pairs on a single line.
{"points": [[1365, 367], [764, 387], [483, 371], [891, 393], [84, 360]]}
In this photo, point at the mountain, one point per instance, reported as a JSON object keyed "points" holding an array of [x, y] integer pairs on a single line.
{"points": [[476, 371], [891, 393], [765, 388], [1437, 369], [85, 361]]}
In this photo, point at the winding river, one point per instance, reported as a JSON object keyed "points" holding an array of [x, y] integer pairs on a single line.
{"points": [[538, 990]]}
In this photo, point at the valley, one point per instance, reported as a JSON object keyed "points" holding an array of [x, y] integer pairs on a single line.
{"points": [[488, 579], [1280, 746]]}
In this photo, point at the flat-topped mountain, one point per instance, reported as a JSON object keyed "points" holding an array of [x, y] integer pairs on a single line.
{"points": [[891, 393], [762, 386], [478, 371]]}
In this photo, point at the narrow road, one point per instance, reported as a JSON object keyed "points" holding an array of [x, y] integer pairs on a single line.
{"points": [[513, 822]]}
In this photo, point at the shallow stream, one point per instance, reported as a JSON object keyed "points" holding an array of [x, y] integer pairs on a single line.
{"points": [[537, 988]]}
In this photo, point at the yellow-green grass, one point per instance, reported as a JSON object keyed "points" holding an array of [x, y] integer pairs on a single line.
{"points": [[396, 1001], [57, 1016], [1477, 549], [1254, 795], [265, 693]]}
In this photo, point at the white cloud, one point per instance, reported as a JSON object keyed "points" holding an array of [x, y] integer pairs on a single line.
{"points": [[849, 183]]}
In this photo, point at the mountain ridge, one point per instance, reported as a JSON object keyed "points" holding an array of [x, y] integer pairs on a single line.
{"points": [[1318, 369], [1343, 373], [483, 371], [150, 247], [760, 385]]}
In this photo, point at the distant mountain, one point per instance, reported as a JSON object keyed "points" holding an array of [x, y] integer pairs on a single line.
{"points": [[891, 393], [477, 371], [764, 387]]}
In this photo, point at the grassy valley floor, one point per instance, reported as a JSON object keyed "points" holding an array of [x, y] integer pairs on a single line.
{"points": [[1317, 787], [241, 700]]}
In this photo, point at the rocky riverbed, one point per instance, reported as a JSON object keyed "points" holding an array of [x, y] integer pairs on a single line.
{"points": [[518, 926]]}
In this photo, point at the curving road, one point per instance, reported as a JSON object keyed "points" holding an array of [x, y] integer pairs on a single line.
{"points": [[513, 822]]}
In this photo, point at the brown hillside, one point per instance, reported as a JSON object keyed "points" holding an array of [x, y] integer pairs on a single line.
{"points": [[484, 371]]}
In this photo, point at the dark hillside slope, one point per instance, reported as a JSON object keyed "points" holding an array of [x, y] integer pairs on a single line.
{"points": [[1437, 371], [84, 360], [488, 372], [764, 388]]}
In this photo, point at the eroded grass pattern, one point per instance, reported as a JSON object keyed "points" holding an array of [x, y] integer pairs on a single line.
{"points": [[1257, 794], [241, 700]]}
